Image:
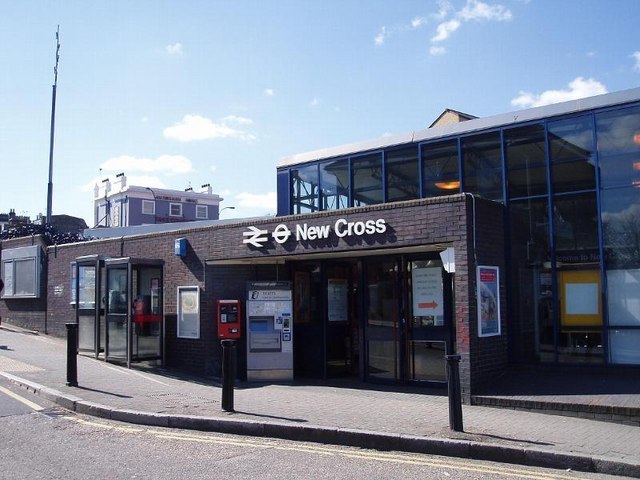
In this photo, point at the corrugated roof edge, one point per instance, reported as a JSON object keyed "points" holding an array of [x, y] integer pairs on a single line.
{"points": [[469, 126]]}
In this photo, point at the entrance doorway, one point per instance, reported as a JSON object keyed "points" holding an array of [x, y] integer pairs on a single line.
{"points": [[134, 327], [408, 329], [386, 319]]}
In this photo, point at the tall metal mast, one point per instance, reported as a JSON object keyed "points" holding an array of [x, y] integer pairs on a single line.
{"points": [[53, 122]]}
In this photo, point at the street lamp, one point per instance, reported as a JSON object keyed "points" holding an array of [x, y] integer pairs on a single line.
{"points": [[154, 204], [225, 208]]}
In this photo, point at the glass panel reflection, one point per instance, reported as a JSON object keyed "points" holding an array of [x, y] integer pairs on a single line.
{"points": [[571, 151], [367, 179], [482, 164], [619, 147], [440, 175], [403, 176], [304, 185], [526, 161], [334, 184]]}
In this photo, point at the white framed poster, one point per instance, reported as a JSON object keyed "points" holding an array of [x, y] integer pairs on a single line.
{"points": [[488, 281], [426, 284], [337, 299], [188, 312]]}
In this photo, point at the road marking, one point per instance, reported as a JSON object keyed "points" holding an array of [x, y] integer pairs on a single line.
{"points": [[361, 454], [28, 403]]}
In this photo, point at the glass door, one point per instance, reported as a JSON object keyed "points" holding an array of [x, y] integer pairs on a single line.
{"points": [[383, 321], [429, 307], [117, 313], [146, 333], [86, 306]]}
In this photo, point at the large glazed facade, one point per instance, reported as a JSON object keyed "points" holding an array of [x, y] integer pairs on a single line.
{"points": [[568, 176]]}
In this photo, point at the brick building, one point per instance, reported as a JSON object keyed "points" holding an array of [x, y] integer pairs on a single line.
{"points": [[505, 240]]}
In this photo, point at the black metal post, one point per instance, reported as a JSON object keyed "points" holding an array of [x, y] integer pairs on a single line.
{"points": [[72, 354], [455, 396], [228, 373]]}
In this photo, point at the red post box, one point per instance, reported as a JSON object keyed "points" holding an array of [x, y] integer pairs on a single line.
{"points": [[229, 319]]}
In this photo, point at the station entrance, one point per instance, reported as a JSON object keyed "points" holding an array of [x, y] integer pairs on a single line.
{"points": [[380, 318], [119, 308]]}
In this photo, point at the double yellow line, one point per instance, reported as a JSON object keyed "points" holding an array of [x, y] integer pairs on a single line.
{"points": [[346, 452]]}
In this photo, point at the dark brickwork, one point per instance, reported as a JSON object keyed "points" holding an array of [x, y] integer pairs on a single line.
{"points": [[220, 264]]}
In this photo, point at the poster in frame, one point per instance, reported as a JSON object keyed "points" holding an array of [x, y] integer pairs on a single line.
{"points": [[188, 312], [488, 296]]}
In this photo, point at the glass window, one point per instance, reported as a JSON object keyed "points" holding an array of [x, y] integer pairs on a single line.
{"points": [[526, 161], [148, 207], [403, 176], [623, 346], [202, 212], [440, 175], [367, 179], [571, 151], [304, 185], [621, 227], [334, 184], [482, 164], [175, 209], [619, 147], [576, 228], [531, 280], [24, 281], [621, 243], [21, 272]]}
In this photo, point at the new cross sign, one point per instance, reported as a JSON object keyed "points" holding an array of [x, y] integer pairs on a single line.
{"points": [[342, 228]]}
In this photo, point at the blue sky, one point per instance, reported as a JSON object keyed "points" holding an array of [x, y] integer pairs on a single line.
{"points": [[183, 93]]}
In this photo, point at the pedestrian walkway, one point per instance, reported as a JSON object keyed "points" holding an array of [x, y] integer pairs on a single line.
{"points": [[411, 419]]}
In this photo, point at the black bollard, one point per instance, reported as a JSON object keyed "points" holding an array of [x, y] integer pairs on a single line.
{"points": [[228, 373], [72, 354], [455, 396]]}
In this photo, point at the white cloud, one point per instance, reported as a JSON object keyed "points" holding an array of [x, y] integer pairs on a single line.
{"points": [[381, 37], [439, 50], [476, 10], [196, 127], [473, 10], [578, 88], [636, 57], [266, 201], [165, 164], [139, 180], [268, 92], [314, 102], [445, 29], [418, 22], [175, 49], [444, 7]]}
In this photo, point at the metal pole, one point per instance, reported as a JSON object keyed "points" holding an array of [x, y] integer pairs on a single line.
{"points": [[455, 397], [72, 354], [53, 122], [228, 373]]}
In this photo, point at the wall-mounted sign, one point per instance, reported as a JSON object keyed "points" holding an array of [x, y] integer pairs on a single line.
{"points": [[488, 280], [427, 291], [188, 312], [307, 233]]}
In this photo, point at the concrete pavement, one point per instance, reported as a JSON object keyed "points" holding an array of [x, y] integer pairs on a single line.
{"points": [[407, 419]]}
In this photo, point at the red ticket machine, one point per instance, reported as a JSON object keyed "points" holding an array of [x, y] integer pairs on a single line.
{"points": [[229, 319]]}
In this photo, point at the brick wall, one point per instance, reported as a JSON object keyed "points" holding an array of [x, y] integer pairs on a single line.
{"points": [[473, 227]]}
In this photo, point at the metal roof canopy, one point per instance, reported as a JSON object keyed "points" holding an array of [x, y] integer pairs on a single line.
{"points": [[469, 126]]}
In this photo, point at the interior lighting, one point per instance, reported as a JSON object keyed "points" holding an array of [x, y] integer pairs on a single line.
{"points": [[636, 138], [453, 185]]}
